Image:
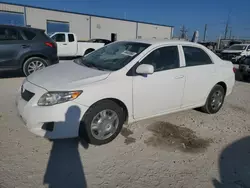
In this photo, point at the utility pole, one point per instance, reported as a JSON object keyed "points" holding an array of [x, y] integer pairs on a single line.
{"points": [[230, 33], [183, 31], [227, 25], [205, 33]]}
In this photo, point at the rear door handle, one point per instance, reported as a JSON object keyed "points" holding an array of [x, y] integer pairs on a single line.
{"points": [[25, 46], [65, 44], [179, 77]]}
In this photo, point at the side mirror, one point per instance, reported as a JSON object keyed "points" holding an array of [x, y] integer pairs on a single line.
{"points": [[145, 69]]}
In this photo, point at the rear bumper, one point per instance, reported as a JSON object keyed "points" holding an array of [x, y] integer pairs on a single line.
{"points": [[53, 59]]}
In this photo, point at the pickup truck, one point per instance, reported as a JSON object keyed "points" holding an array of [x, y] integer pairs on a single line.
{"points": [[68, 46]]}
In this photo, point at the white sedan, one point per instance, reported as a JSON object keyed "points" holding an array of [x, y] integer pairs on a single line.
{"points": [[123, 82]]}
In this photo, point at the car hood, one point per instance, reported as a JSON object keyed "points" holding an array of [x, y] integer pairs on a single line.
{"points": [[232, 51], [66, 74]]}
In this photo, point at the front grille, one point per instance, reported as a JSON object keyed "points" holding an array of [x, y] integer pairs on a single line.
{"points": [[26, 95]]}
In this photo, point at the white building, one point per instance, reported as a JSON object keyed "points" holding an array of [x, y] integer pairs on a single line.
{"points": [[83, 25]]}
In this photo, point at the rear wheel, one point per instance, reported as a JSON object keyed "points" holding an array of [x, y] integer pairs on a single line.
{"points": [[102, 122], [215, 100], [33, 64]]}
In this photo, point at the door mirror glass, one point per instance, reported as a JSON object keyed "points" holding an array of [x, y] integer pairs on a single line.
{"points": [[145, 69]]}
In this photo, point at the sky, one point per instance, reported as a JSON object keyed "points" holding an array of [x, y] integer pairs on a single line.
{"points": [[194, 14]]}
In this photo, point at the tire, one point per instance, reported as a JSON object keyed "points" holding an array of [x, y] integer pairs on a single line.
{"points": [[209, 107], [245, 77], [88, 51], [89, 134], [36, 61]]}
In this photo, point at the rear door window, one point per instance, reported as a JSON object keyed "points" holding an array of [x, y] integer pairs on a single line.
{"points": [[195, 56], [9, 34], [71, 37]]}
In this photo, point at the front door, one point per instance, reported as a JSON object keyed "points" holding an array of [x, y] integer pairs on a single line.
{"points": [[10, 47], [162, 91], [62, 45]]}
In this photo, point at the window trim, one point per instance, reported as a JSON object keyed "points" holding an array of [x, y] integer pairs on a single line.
{"points": [[132, 70], [184, 59]]}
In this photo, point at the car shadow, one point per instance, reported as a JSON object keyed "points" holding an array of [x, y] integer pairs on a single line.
{"points": [[65, 168], [234, 165], [11, 74]]}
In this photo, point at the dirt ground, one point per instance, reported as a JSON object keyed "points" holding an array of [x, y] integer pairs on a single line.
{"points": [[187, 149]]}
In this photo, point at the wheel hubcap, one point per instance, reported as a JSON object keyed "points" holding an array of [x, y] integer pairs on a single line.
{"points": [[217, 99], [34, 66], [104, 124]]}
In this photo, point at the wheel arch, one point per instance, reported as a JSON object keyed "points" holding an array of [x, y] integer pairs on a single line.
{"points": [[27, 56], [118, 102], [224, 85], [88, 50]]}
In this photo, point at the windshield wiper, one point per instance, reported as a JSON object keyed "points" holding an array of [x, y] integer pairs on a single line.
{"points": [[92, 65]]}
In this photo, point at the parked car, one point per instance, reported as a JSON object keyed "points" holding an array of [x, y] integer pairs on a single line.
{"points": [[235, 52], [123, 82], [26, 49], [68, 46], [244, 67], [105, 41]]}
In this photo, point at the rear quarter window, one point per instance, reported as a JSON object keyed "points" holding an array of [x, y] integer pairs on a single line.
{"points": [[29, 34]]}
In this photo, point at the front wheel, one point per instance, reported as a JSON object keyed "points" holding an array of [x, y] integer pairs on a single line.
{"points": [[33, 64], [102, 122], [215, 100]]}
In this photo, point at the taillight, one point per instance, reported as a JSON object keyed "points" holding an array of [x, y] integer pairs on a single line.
{"points": [[234, 69], [50, 44]]}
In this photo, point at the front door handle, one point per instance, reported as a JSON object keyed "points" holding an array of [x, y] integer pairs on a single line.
{"points": [[179, 77]]}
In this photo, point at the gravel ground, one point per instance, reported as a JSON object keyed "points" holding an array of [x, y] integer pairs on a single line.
{"points": [[187, 149]]}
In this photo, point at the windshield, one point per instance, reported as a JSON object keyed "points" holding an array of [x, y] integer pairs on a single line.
{"points": [[114, 56], [237, 47]]}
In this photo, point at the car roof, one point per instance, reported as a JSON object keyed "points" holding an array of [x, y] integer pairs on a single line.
{"points": [[20, 27], [166, 41]]}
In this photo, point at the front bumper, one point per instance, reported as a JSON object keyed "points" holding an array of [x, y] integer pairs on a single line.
{"points": [[65, 117]]}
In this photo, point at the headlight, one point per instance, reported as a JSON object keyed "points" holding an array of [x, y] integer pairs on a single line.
{"points": [[52, 98]]}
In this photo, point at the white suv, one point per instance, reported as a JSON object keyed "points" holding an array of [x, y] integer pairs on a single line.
{"points": [[121, 83]]}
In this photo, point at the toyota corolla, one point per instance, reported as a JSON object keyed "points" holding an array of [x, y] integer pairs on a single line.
{"points": [[123, 82]]}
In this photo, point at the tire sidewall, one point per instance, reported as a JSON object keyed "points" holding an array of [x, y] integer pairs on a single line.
{"points": [[208, 105], [28, 61], [85, 125]]}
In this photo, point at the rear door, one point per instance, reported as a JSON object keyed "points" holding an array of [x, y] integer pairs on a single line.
{"points": [[11, 45], [72, 45], [200, 74]]}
